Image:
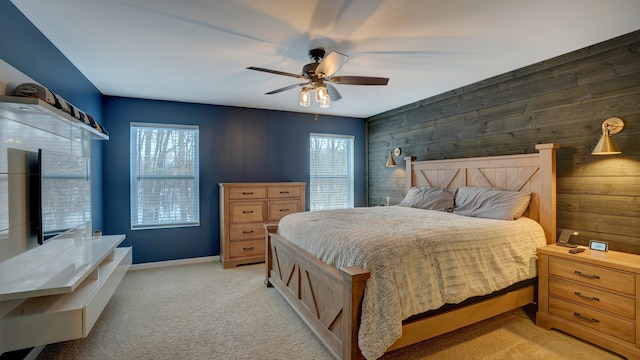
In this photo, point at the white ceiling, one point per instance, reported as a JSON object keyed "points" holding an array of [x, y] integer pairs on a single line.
{"points": [[198, 50]]}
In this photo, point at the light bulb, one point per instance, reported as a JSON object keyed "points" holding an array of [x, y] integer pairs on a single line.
{"points": [[321, 92], [325, 101], [305, 97]]}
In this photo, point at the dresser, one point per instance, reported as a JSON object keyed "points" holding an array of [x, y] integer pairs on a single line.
{"points": [[592, 295], [245, 208]]}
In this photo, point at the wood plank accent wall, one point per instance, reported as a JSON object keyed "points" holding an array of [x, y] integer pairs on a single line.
{"points": [[562, 100]]}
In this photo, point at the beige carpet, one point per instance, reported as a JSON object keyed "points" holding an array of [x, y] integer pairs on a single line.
{"points": [[201, 311]]}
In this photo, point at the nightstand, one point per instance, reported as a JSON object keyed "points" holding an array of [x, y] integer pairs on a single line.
{"points": [[592, 295]]}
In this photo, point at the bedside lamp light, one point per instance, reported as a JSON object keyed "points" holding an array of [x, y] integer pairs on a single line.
{"points": [[390, 161], [605, 145]]}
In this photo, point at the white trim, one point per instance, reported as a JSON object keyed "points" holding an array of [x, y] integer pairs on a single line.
{"points": [[333, 136], [161, 264], [163, 126]]}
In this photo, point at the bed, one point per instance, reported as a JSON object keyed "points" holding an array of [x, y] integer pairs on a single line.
{"points": [[330, 299]]}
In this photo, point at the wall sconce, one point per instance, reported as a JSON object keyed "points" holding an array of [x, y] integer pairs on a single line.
{"points": [[605, 145], [396, 152]]}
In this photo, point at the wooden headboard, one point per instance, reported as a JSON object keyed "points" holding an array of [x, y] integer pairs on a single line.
{"points": [[535, 173]]}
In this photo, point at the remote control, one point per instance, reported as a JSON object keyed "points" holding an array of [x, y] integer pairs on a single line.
{"points": [[576, 250]]}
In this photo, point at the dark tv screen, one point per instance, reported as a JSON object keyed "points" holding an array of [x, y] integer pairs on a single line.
{"points": [[65, 193]]}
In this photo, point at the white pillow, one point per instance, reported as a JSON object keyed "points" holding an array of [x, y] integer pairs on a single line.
{"points": [[491, 203], [428, 198]]}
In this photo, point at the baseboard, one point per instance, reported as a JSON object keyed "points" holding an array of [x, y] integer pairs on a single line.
{"points": [[161, 264]]}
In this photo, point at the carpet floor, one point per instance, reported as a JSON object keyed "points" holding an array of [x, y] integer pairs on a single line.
{"points": [[200, 311]]}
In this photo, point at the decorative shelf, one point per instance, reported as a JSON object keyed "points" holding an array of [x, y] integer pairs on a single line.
{"points": [[40, 114]]}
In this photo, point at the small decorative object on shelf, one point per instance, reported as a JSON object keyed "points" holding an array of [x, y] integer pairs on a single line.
{"points": [[97, 234]]}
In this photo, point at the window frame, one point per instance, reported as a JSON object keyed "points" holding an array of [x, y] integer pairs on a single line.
{"points": [[135, 176], [349, 177]]}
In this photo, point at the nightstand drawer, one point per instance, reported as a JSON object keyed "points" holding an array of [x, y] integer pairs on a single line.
{"points": [[246, 248], [246, 232], [278, 209], [246, 212], [254, 192], [283, 192], [601, 299], [609, 324], [593, 275]]}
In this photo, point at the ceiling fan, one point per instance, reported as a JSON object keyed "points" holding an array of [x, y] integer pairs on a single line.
{"points": [[318, 77]]}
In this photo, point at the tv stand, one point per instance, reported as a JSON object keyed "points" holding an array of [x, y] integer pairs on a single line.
{"points": [[57, 291]]}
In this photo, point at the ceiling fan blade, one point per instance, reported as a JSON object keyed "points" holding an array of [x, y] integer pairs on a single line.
{"points": [[298, 76], [286, 88], [331, 63], [334, 95], [359, 80]]}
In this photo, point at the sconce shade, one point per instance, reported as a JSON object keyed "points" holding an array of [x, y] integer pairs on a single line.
{"points": [[605, 145], [396, 152], [391, 162]]}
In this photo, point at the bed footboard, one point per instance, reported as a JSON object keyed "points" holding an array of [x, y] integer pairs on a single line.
{"points": [[329, 301]]}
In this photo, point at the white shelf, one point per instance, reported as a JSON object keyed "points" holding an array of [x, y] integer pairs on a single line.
{"points": [[57, 267], [40, 114], [56, 292]]}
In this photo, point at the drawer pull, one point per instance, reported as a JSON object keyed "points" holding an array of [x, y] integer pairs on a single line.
{"points": [[247, 232], [250, 248], [284, 192], [247, 212], [585, 318], [586, 297], [586, 275], [284, 209], [247, 193]]}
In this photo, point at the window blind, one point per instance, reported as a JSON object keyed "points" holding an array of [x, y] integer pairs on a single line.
{"points": [[164, 176], [331, 172]]}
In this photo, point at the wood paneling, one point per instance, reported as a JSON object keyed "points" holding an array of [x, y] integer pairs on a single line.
{"points": [[561, 100]]}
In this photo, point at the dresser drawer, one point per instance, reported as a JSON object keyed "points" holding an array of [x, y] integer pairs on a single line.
{"points": [[253, 192], [601, 299], [246, 231], [593, 275], [278, 209], [246, 248], [283, 192], [243, 211], [598, 320]]}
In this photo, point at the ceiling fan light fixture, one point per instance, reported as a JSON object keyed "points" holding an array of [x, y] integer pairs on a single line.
{"points": [[305, 97], [321, 93], [325, 102]]}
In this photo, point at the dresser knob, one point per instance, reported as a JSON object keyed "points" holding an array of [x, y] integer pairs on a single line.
{"points": [[250, 248]]}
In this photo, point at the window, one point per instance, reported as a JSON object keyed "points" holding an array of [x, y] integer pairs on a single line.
{"points": [[164, 176], [331, 178]]}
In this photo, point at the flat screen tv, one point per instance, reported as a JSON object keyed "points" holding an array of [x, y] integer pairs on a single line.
{"points": [[65, 193]]}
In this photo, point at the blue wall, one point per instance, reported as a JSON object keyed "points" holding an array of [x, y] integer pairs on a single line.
{"points": [[24, 47], [236, 145]]}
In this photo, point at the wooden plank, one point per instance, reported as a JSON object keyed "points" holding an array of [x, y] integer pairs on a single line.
{"points": [[600, 185]]}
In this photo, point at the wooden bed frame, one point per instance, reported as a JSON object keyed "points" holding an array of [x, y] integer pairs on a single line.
{"points": [[329, 300]]}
